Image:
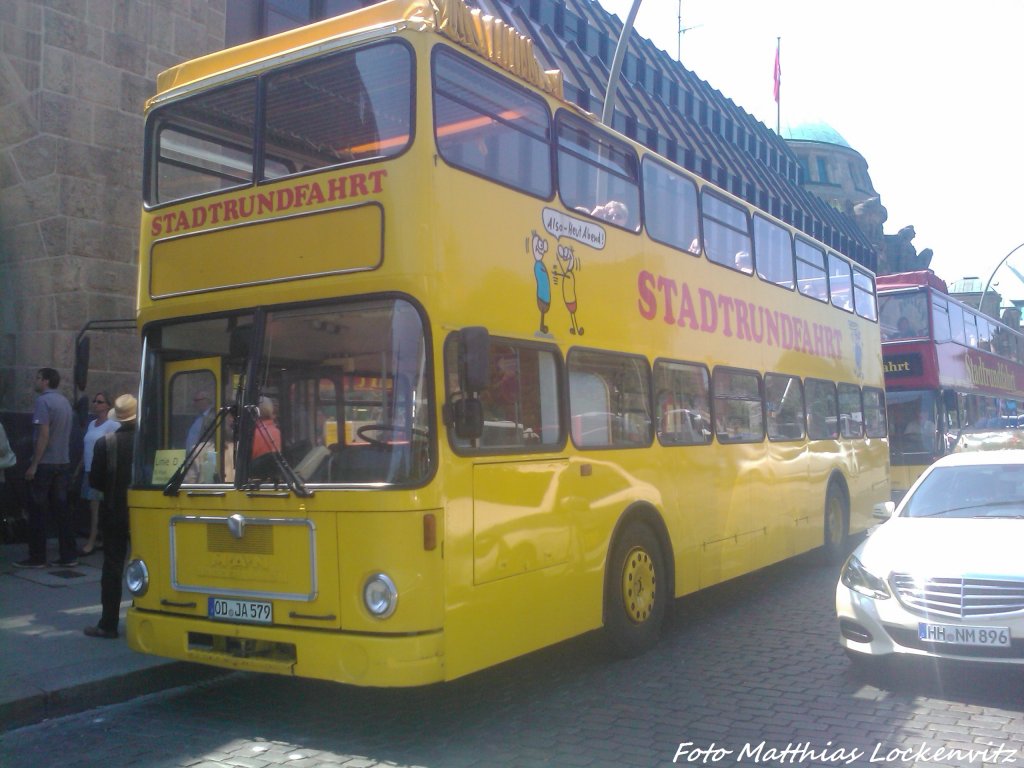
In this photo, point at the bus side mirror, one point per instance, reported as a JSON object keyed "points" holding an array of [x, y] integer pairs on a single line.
{"points": [[81, 372], [464, 411], [474, 359], [466, 416]]}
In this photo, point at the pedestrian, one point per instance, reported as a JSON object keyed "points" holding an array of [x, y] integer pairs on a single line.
{"points": [[49, 473], [111, 473], [7, 456], [99, 426]]}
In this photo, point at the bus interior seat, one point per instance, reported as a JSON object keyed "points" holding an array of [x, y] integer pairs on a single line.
{"points": [[307, 468]]}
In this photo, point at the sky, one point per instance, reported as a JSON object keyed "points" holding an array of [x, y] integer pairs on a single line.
{"points": [[929, 92]]}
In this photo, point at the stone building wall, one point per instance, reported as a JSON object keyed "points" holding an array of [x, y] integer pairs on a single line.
{"points": [[74, 75]]}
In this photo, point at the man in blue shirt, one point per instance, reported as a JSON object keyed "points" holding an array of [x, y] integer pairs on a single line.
{"points": [[49, 473]]}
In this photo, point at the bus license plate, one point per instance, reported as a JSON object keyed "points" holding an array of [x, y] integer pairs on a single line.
{"points": [[954, 634], [249, 611]]}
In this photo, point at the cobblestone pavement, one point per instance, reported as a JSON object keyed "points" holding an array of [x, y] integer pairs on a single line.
{"points": [[748, 673]]}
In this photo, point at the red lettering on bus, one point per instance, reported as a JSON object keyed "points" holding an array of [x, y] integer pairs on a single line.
{"points": [[230, 209], [756, 334], [336, 189], [300, 194], [357, 184], [668, 286], [266, 202], [708, 311], [726, 304], [376, 176], [686, 308], [215, 210], [316, 195], [742, 326], [285, 199], [647, 303]]}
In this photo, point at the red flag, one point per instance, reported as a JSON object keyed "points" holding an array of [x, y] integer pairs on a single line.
{"points": [[778, 74]]}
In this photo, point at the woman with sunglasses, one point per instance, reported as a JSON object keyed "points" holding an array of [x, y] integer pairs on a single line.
{"points": [[99, 426]]}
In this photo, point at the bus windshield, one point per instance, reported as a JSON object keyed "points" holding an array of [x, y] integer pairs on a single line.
{"points": [[338, 392]]}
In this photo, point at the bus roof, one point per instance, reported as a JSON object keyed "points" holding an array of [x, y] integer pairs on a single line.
{"points": [[910, 280], [485, 35]]}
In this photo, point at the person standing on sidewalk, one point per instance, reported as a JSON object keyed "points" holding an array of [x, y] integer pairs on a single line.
{"points": [[98, 427], [111, 473], [49, 473]]}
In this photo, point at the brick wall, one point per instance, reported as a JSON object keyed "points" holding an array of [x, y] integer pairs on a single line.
{"points": [[74, 75]]}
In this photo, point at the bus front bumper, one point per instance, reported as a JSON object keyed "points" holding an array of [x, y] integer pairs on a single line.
{"points": [[356, 659]]}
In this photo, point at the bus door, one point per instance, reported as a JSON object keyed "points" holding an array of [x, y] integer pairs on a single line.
{"points": [[192, 390]]}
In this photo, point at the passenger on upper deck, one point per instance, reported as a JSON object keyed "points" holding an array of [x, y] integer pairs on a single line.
{"points": [[612, 211]]}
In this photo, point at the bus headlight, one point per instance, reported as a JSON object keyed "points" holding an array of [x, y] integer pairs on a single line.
{"points": [[380, 595], [136, 576]]}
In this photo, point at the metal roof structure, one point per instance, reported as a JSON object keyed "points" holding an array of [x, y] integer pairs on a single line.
{"points": [[666, 107]]}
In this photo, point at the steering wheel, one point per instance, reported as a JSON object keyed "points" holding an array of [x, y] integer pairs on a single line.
{"points": [[388, 429]]}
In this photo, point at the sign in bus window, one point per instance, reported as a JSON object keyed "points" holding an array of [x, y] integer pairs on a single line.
{"points": [[485, 124], [348, 107]]}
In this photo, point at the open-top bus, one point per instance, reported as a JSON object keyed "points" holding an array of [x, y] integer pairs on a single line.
{"points": [[953, 375], [520, 377]]}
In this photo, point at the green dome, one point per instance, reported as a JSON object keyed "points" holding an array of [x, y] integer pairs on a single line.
{"points": [[822, 133]]}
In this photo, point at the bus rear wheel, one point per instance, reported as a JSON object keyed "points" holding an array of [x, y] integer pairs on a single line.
{"points": [[635, 597], [837, 525]]}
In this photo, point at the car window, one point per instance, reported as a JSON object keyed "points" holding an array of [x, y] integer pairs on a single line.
{"points": [[985, 490]]}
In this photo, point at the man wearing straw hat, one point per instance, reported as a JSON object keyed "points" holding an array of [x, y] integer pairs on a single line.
{"points": [[111, 472]]}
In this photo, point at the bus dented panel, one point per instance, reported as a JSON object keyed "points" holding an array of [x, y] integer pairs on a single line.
{"points": [[416, 359]]}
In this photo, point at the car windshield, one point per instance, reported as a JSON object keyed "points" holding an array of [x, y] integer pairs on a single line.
{"points": [[977, 490]]}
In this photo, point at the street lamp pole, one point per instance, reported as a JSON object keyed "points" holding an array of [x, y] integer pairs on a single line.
{"points": [[620, 54], [981, 304]]}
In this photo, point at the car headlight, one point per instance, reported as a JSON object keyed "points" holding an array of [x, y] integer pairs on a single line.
{"points": [[136, 576], [858, 578], [380, 595]]}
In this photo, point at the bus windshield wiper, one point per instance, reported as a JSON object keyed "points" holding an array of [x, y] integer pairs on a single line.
{"points": [[174, 484], [291, 477]]}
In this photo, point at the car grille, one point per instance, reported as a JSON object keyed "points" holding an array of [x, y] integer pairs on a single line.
{"points": [[958, 597]]}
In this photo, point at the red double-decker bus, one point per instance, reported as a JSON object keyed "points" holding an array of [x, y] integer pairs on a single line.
{"points": [[951, 372]]}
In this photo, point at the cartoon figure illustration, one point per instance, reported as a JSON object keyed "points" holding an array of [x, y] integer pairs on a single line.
{"points": [[539, 247], [570, 264]]}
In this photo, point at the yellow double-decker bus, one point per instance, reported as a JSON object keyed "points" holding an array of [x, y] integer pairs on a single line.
{"points": [[438, 370]]}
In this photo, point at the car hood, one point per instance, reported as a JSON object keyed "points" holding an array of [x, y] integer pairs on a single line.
{"points": [[946, 547]]}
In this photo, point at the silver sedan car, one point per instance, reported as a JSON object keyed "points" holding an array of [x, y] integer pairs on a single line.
{"points": [[943, 576]]}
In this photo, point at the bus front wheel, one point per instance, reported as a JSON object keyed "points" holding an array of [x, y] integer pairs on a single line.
{"points": [[837, 525], [636, 596]]}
